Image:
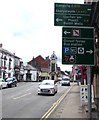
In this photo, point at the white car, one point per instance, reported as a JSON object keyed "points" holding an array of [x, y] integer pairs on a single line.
{"points": [[65, 81], [47, 87], [3, 83]]}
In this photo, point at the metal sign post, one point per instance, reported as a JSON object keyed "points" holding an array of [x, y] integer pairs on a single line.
{"points": [[89, 92]]}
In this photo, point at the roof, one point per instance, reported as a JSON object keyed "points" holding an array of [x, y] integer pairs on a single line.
{"points": [[40, 62], [53, 56], [6, 51], [29, 67]]}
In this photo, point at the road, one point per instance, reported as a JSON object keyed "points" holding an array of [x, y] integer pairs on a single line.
{"points": [[24, 102]]}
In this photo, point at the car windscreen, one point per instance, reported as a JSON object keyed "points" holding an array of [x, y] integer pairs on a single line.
{"points": [[47, 83], [66, 79], [8, 79]]}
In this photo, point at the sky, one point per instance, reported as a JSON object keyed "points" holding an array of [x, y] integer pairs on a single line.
{"points": [[27, 28]]}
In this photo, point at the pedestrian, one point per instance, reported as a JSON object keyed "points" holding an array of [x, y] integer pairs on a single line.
{"points": [[78, 79], [78, 82]]}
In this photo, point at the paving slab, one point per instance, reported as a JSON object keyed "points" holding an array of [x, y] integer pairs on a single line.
{"points": [[70, 107]]}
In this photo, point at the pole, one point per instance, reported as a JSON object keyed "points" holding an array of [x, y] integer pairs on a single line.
{"points": [[89, 92]]}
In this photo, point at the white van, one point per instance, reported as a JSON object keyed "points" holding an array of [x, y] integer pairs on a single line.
{"points": [[65, 81]]}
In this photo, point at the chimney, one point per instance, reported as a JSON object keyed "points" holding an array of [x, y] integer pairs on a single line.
{"points": [[1, 45]]}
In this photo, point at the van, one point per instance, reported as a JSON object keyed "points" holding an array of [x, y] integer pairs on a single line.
{"points": [[65, 81]]}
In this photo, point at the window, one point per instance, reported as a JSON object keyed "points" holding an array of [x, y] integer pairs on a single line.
{"points": [[9, 65], [4, 63], [53, 67]]}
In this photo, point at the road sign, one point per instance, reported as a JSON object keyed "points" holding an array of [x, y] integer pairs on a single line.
{"points": [[78, 45], [72, 14]]}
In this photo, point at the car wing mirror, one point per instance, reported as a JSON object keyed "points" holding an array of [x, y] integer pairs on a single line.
{"points": [[55, 84]]}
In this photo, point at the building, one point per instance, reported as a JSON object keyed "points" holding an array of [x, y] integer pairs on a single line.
{"points": [[30, 73], [17, 67], [21, 71], [42, 65], [6, 63], [10, 64], [95, 24]]}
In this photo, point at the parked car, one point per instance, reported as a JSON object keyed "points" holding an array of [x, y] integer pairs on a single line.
{"points": [[3, 83], [11, 82], [47, 87], [65, 81]]}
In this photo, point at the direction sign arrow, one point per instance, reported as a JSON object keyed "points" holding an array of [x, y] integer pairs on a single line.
{"points": [[66, 32], [89, 10], [58, 20], [90, 51], [72, 14]]}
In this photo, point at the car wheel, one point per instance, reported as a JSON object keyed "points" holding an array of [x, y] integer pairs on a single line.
{"points": [[10, 86], [7, 86]]}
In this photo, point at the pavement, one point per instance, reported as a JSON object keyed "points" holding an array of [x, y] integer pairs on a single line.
{"points": [[71, 107]]}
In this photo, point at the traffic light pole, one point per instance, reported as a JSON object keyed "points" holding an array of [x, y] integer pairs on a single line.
{"points": [[89, 93]]}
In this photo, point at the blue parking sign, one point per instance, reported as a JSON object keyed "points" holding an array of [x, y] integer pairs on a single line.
{"points": [[66, 50]]}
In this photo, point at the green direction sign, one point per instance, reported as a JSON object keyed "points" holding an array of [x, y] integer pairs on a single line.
{"points": [[72, 14], [78, 45]]}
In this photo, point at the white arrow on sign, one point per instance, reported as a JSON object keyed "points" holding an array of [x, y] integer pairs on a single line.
{"points": [[66, 32], [90, 51], [89, 9], [58, 20]]}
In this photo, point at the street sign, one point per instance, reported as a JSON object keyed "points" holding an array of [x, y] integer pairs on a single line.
{"points": [[72, 14], [78, 45]]}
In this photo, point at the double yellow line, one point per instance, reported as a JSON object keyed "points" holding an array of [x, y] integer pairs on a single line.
{"points": [[52, 108]]}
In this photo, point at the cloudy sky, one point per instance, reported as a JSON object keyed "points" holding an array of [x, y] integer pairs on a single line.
{"points": [[27, 28]]}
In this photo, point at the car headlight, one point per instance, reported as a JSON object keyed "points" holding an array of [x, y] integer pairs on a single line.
{"points": [[10, 82], [38, 88], [52, 89]]}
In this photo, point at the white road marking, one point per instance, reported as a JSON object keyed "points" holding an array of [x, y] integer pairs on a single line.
{"points": [[52, 108], [21, 96], [28, 89]]}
